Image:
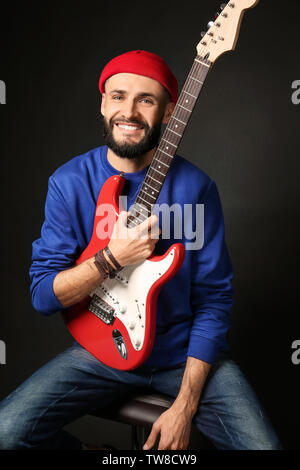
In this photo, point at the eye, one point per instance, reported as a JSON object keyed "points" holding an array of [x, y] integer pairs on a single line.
{"points": [[116, 97], [147, 101]]}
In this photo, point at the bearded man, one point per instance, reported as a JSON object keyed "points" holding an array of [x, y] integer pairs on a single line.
{"points": [[190, 360]]}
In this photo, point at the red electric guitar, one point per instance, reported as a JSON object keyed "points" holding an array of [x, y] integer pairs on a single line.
{"points": [[117, 321]]}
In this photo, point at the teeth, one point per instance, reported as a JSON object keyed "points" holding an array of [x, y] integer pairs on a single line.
{"points": [[130, 128]]}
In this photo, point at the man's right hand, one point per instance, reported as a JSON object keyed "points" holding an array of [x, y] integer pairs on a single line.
{"points": [[132, 245]]}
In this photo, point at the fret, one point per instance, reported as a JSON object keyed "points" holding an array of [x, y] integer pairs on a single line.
{"points": [[143, 208], [137, 212], [136, 218], [189, 94], [140, 197], [176, 132], [168, 142], [159, 172], [184, 108], [154, 179], [147, 195], [196, 79], [147, 206], [182, 122], [131, 221], [163, 163], [179, 126], [152, 188], [143, 216], [203, 63], [166, 152]]}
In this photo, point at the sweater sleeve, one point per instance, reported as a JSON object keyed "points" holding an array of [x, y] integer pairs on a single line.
{"points": [[53, 252], [211, 289]]}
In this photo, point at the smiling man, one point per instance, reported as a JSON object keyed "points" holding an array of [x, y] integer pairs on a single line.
{"points": [[190, 360]]}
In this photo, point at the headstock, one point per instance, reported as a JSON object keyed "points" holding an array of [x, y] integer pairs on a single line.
{"points": [[223, 32]]}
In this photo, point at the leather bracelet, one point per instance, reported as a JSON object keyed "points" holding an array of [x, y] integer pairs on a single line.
{"points": [[105, 269], [113, 259]]}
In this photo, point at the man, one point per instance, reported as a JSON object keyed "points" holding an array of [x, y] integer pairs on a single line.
{"points": [[190, 360]]}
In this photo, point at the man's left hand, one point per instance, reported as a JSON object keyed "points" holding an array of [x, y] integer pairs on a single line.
{"points": [[174, 427]]}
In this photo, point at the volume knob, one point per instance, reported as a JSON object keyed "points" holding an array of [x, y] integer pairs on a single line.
{"points": [[122, 308]]}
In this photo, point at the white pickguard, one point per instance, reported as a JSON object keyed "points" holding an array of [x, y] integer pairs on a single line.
{"points": [[127, 294]]}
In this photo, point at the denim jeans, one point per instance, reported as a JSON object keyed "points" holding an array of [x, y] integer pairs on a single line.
{"points": [[74, 384]]}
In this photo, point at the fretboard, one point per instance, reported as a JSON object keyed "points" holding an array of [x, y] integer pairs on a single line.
{"points": [[169, 142]]}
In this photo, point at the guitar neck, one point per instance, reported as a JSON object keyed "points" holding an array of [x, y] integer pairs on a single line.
{"points": [[169, 142]]}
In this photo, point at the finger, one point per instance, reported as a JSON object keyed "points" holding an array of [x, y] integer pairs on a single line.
{"points": [[120, 225], [155, 233], [162, 445], [123, 216], [151, 235], [152, 232], [151, 439], [147, 224]]}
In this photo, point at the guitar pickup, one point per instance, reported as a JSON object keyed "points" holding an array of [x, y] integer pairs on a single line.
{"points": [[102, 310]]}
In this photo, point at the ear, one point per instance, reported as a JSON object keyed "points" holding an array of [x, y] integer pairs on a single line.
{"points": [[168, 112], [103, 100]]}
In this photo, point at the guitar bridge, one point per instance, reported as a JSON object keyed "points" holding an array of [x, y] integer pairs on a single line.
{"points": [[102, 310]]}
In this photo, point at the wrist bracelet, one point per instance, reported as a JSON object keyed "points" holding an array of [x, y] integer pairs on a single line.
{"points": [[112, 258], [105, 269]]}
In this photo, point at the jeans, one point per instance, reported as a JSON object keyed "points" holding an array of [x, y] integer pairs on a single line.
{"points": [[74, 384]]}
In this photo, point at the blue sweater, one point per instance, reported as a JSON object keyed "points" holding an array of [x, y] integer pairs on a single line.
{"points": [[193, 308]]}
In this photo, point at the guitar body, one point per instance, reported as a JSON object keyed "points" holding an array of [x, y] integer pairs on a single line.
{"points": [[116, 323]]}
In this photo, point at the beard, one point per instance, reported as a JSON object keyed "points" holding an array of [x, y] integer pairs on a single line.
{"points": [[132, 150]]}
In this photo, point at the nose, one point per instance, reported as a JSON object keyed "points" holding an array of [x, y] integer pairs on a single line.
{"points": [[129, 110]]}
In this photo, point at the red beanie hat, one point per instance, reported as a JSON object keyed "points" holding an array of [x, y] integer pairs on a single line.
{"points": [[142, 63]]}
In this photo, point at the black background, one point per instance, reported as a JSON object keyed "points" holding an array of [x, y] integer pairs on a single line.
{"points": [[244, 133]]}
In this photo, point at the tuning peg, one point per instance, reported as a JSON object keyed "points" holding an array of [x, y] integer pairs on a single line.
{"points": [[210, 24], [203, 33], [222, 6]]}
